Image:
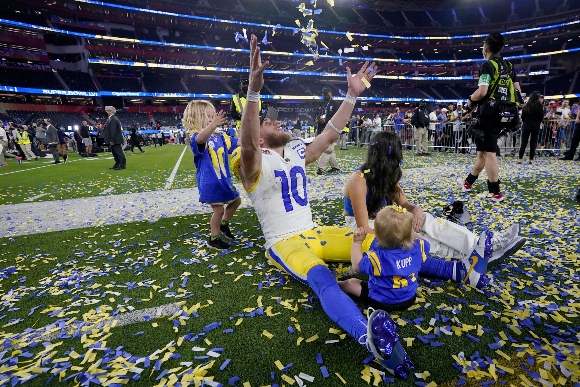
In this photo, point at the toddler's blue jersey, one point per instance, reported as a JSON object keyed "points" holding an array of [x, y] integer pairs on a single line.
{"points": [[393, 273], [214, 180]]}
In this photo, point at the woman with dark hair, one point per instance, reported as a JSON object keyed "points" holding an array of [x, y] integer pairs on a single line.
{"points": [[376, 184], [532, 117]]}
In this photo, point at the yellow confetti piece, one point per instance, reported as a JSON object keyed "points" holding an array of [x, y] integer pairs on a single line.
{"points": [[309, 63], [279, 365], [349, 36], [288, 379], [366, 83], [299, 340], [247, 384], [239, 321], [431, 384], [340, 377], [267, 334], [502, 354], [330, 2], [409, 341], [297, 22], [154, 325], [312, 338]]}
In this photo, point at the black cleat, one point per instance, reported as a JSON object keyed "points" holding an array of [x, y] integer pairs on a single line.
{"points": [[225, 229], [218, 243]]}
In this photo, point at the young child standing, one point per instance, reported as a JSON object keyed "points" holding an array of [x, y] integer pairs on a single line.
{"points": [[210, 156], [394, 261]]}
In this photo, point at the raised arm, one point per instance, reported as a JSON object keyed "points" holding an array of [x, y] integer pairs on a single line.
{"points": [[355, 87], [251, 155]]}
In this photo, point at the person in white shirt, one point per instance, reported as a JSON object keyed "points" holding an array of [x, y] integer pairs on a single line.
{"points": [[4, 146]]}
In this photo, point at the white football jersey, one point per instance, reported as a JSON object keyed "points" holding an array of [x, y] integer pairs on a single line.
{"points": [[280, 196]]}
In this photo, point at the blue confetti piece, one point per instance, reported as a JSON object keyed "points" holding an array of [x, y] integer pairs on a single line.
{"points": [[233, 380], [319, 358], [324, 372], [461, 381], [436, 344], [472, 337], [291, 330], [162, 374], [225, 364], [229, 330], [212, 326], [138, 333]]}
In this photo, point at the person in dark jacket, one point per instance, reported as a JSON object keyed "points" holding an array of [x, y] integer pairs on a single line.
{"points": [[113, 135], [532, 117], [420, 121], [52, 140], [135, 140], [86, 138]]}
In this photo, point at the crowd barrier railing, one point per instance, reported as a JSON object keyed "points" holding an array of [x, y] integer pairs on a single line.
{"points": [[554, 137]]}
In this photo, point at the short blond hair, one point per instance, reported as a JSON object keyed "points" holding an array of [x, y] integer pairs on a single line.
{"points": [[194, 116], [394, 229]]}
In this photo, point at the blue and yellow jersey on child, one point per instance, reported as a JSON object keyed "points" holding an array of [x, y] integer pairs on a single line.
{"points": [[214, 181], [393, 273]]}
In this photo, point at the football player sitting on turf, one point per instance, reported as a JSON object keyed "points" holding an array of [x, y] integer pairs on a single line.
{"points": [[271, 165]]}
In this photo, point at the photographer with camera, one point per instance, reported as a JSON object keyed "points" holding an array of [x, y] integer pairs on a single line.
{"points": [[497, 98]]}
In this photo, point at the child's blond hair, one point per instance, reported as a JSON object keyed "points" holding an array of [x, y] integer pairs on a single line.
{"points": [[194, 116], [394, 228]]}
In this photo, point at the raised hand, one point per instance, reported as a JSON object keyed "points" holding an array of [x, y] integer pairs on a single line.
{"points": [[355, 84], [218, 119], [256, 78]]}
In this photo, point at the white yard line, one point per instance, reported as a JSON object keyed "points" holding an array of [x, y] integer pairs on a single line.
{"points": [[169, 181], [107, 191], [35, 197], [53, 331], [50, 164]]}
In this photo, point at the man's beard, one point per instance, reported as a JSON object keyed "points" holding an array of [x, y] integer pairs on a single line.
{"points": [[277, 139]]}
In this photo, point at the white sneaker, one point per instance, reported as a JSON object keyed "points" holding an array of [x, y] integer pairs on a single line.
{"points": [[504, 244]]}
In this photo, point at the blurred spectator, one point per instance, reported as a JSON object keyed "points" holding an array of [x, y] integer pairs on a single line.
{"points": [[86, 138], [23, 139], [52, 140], [61, 147]]}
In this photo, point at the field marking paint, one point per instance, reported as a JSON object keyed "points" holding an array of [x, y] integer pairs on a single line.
{"points": [[34, 197], [169, 181], [53, 331], [50, 164], [107, 191]]}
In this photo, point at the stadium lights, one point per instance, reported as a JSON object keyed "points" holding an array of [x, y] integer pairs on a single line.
{"points": [[265, 52], [214, 20]]}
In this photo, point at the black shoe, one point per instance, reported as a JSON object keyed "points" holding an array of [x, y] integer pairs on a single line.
{"points": [[566, 158], [225, 229], [426, 154], [119, 168], [319, 171], [218, 243], [334, 169], [114, 167], [142, 152], [36, 158], [56, 162]]}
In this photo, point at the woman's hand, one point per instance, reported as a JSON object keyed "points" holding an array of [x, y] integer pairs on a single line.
{"points": [[419, 218], [359, 235], [355, 84]]}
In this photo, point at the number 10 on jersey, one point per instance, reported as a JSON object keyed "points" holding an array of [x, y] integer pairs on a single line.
{"points": [[290, 189]]}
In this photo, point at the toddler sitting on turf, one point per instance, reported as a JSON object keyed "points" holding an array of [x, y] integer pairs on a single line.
{"points": [[210, 155], [394, 261]]}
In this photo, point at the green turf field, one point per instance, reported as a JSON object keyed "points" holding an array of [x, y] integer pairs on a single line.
{"points": [[243, 323]]}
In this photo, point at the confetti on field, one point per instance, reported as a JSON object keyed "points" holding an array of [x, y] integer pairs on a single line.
{"points": [[522, 329]]}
